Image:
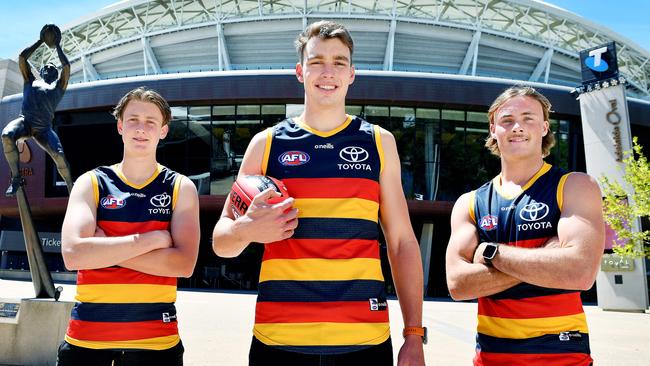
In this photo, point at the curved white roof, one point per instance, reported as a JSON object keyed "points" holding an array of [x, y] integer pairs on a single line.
{"points": [[513, 39]]}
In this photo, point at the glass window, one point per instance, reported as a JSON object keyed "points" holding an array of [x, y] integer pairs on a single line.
{"points": [[452, 115], [272, 114], [427, 155], [172, 151], [294, 110], [427, 114], [222, 166], [378, 115], [353, 110], [477, 117], [276, 109], [465, 162]]}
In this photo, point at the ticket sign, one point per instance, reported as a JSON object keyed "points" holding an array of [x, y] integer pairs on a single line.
{"points": [[598, 63]]}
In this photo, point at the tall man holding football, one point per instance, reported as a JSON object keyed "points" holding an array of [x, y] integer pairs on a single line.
{"points": [[321, 290]]}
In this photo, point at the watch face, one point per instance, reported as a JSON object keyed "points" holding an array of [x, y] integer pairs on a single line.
{"points": [[490, 251]]}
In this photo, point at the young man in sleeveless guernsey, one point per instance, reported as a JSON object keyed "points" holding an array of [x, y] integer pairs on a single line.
{"points": [[130, 229], [321, 293], [526, 243]]}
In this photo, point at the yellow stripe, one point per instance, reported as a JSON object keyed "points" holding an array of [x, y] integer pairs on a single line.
{"points": [[529, 328], [322, 334], [510, 195], [321, 133], [177, 187], [136, 186], [316, 269], [560, 191], [345, 208], [95, 184], [472, 198], [380, 148], [156, 344], [124, 294], [267, 149]]}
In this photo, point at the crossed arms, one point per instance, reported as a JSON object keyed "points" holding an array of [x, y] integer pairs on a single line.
{"points": [[170, 253], [569, 261]]}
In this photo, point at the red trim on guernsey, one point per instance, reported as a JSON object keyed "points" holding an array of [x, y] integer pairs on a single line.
{"points": [[333, 188], [532, 307], [310, 312], [528, 359], [322, 248], [529, 243], [120, 228], [116, 331], [118, 275]]}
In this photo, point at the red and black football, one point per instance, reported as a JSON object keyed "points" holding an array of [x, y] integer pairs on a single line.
{"points": [[247, 187]]}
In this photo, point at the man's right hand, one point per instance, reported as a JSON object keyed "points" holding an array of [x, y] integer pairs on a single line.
{"points": [[158, 239], [265, 222]]}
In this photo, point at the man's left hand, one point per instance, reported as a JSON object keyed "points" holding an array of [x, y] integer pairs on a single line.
{"points": [[411, 353], [478, 254]]}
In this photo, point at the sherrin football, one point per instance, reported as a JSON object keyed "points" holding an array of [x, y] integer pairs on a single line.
{"points": [[247, 187]]}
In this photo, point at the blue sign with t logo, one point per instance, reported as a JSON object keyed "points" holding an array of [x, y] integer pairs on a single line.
{"points": [[598, 63]]}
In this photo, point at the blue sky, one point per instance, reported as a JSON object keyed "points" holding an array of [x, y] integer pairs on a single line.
{"points": [[21, 21]]}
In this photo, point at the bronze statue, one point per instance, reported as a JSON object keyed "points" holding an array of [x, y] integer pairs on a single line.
{"points": [[40, 98]]}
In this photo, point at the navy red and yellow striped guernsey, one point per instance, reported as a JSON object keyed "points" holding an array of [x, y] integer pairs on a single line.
{"points": [[527, 325], [120, 308], [322, 291]]}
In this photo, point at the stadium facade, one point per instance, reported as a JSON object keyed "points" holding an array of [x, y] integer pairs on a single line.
{"points": [[426, 70]]}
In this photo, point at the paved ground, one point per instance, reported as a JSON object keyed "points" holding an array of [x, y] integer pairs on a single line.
{"points": [[216, 328]]}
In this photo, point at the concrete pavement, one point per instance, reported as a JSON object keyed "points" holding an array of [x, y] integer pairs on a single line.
{"points": [[216, 328]]}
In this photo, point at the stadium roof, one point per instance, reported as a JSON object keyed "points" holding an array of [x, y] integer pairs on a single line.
{"points": [[512, 39]]}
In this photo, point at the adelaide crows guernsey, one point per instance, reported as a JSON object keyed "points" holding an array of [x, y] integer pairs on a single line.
{"points": [[527, 325], [322, 290], [120, 308]]}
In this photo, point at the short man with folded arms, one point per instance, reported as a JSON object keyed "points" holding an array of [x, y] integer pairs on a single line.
{"points": [[130, 229]]}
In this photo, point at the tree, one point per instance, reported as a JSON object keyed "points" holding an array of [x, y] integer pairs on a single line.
{"points": [[622, 208]]}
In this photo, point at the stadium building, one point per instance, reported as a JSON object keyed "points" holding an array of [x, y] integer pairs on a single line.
{"points": [[426, 70]]}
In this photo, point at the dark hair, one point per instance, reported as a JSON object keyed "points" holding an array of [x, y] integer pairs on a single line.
{"points": [[548, 141], [143, 94], [323, 29]]}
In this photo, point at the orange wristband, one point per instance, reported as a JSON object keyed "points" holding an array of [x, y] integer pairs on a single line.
{"points": [[420, 331]]}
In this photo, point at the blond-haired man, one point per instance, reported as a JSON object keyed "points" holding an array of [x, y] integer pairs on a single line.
{"points": [[526, 243]]}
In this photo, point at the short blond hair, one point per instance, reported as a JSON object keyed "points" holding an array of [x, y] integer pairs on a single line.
{"points": [[143, 94], [323, 29], [548, 141]]}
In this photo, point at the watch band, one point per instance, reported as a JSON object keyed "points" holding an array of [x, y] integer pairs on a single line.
{"points": [[420, 331]]}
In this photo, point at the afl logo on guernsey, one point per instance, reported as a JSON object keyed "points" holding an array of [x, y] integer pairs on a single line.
{"points": [[111, 202], [489, 222], [293, 158]]}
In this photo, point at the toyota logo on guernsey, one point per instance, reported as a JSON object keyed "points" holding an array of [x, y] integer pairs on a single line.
{"points": [[160, 202], [534, 212], [293, 158], [595, 60], [354, 156], [111, 202]]}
